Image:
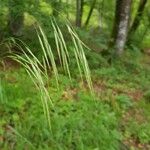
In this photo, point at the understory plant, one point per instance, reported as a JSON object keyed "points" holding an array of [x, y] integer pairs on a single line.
{"points": [[39, 71]]}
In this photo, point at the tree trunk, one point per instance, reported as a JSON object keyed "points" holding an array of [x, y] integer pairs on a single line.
{"points": [[16, 17], [90, 13], [138, 17], [120, 29], [79, 12]]}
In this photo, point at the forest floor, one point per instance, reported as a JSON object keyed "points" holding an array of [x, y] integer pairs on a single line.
{"points": [[138, 115], [121, 113]]}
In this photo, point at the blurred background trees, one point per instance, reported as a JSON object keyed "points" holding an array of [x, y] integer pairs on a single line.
{"points": [[138, 16], [15, 17], [98, 21], [79, 12]]}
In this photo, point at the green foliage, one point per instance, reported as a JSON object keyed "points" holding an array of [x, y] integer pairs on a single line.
{"points": [[38, 69], [76, 123], [124, 101], [1, 91], [57, 57], [76, 120], [147, 96], [83, 118], [139, 131]]}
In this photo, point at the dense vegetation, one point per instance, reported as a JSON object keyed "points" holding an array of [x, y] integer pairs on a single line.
{"points": [[74, 75]]}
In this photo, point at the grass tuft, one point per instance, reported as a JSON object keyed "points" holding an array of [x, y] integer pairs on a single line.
{"points": [[39, 71]]}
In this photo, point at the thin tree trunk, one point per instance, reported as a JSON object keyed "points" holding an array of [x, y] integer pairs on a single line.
{"points": [[79, 12], [90, 13], [138, 17], [116, 21], [120, 30], [16, 17]]}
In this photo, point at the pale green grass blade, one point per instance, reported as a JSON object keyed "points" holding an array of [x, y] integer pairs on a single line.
{"points": [[80, 51], [50, 54], [63, 49]]}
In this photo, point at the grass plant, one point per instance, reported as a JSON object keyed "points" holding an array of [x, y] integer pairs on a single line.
{"points": [[39, 71]]}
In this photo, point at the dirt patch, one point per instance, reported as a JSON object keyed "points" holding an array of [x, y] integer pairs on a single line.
{"points": [[136, 145], [135, 95], [137, 114], [99, 86], [70, 94], [9, 64]]}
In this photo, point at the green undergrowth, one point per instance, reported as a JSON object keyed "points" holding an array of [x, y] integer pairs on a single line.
{"points": [[78, 122], [119, 112], [58, 112], [125, 87]]}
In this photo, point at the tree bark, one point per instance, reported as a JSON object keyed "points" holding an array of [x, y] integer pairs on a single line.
{"points": [[90, 13], [16, 17], [120, 29], [138, 17], [79, 12]]}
